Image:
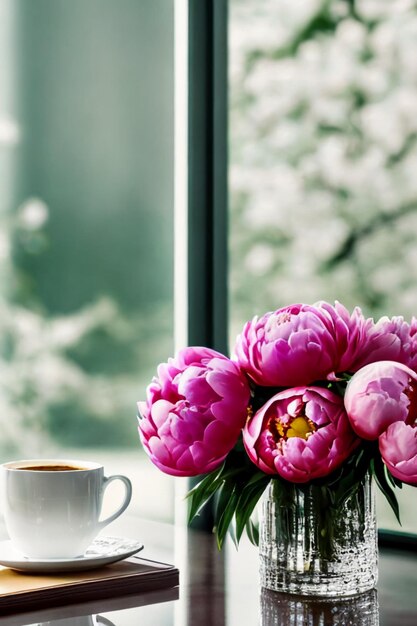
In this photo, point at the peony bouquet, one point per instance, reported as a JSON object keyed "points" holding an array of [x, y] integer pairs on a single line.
{"points": [[313, 394]]}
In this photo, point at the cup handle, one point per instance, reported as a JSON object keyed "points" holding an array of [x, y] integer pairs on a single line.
{"points": [[126, 501]]}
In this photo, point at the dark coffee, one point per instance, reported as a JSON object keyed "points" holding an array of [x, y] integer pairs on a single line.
{"points": [[51, 468]]}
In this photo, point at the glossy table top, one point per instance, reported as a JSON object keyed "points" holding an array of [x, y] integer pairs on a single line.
{"points": [[222, 589]]}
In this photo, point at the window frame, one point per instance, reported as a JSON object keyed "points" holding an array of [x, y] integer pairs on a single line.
{"points": [[207, 174], [205, 249]]}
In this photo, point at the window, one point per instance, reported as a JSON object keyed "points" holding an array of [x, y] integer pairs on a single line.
{"points": [[87, 145]]}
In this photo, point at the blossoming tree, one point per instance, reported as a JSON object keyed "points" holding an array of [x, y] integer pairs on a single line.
{"points": [[323, 154]]}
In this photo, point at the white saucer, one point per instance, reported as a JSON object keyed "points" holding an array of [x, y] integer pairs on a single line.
{"points": [[103, 550]]}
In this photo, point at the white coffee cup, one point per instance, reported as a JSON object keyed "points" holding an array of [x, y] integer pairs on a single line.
{"points": [[52, 507]]}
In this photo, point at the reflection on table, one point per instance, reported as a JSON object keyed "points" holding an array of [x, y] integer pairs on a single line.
{"points": [[277, 609]]}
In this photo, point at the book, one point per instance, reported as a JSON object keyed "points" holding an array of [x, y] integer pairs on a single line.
{"points": [[23, 592]]}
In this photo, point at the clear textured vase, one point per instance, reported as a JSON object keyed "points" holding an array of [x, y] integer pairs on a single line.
{"points": [[309, 548]]}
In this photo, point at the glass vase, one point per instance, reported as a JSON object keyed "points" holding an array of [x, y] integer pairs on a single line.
{"points": [[309, 548]]}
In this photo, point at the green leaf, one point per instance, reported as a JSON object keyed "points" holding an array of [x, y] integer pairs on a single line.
{"points": [[395, 482], [252, 531], [248, 500], [232, 533], [203, 492], [353, 473], [225, 510], [259, 476], [205, 482], [378, 471]]}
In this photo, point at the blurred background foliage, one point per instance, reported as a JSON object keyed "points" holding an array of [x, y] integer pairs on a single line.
{"points": [[86, 141], [323, 150]]}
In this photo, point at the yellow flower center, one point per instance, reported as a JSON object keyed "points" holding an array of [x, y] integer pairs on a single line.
{"points": [[299, 426]]}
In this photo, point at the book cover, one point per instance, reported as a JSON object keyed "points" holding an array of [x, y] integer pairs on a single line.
{"points": [[22, 591]]}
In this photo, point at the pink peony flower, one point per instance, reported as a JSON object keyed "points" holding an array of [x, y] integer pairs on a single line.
{"points": [[194, 412], [300, 434], [378, 395], [302, 343], [352, 333], [392, 339], [398, 447]]}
